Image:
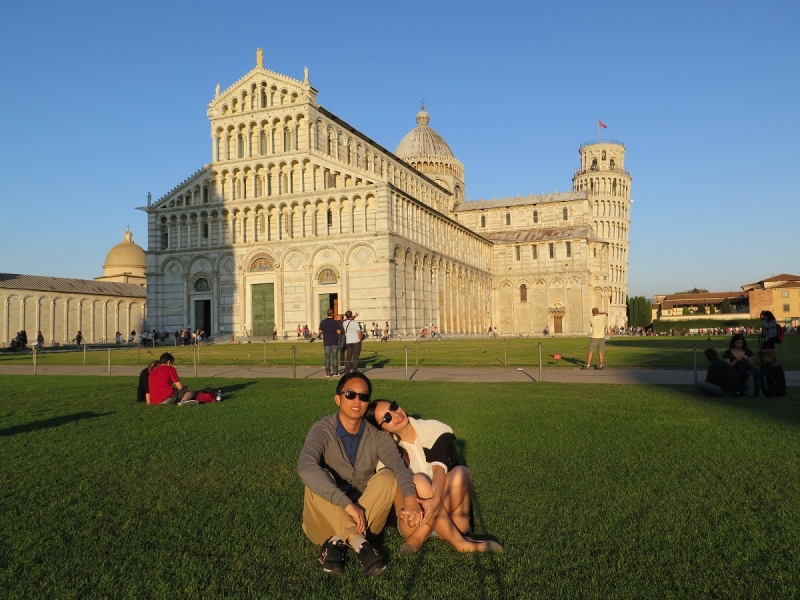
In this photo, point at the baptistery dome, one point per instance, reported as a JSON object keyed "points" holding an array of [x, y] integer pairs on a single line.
{"points": [[422, 141], [126, 257]]}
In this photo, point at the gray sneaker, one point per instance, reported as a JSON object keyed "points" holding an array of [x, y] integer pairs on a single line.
{"points": [[188, 403], [599, 367], [585, 368]]}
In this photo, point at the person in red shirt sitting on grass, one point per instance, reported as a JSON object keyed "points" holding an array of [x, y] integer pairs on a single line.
{"points": [[165, 385]]}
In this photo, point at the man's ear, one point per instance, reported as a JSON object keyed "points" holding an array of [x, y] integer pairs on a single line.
{"points": [[337, 399]]}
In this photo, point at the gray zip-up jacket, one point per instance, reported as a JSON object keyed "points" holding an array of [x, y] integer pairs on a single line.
{"points": [[323, 456]]}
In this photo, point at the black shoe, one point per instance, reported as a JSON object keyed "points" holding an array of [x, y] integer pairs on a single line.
{"points": [[371, 560], [333, 557]]}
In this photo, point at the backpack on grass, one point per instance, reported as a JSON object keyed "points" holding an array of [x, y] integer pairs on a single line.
{"points": [[773, 381], [206, 396]]}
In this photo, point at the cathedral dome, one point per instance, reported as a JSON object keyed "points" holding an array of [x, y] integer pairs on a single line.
{"points": [[423, 141], [125, 257]]}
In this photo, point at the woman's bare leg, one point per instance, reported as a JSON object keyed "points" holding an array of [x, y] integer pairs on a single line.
{"points": [[457, 497], [441, 522]]}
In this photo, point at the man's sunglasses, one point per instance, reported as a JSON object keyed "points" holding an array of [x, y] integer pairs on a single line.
{"points": [[352, 394], [387, 418]]}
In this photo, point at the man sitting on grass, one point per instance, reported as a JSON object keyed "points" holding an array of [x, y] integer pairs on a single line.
{"points": [[345, 499], [165, 385], [721, 379]]}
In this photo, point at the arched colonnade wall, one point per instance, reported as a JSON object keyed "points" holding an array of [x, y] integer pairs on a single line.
{"points": [[59, 317], [259, 222], [419, 224], [429, 288], [251, 149]]}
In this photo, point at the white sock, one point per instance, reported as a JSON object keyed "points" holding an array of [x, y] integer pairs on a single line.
{"points": [[356, 541]]}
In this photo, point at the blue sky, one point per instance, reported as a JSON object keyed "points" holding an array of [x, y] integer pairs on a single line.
{"points": [[105, 101]]}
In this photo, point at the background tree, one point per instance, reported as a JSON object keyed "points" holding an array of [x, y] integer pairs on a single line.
{"points": [[694, 291], [712, 310], [640, 312], [726, 307]]}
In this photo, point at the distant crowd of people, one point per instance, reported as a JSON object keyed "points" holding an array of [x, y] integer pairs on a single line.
{"points": [[152, 338]]}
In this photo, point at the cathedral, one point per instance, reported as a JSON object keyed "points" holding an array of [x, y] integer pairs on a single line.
{"points": [[298, 212]]}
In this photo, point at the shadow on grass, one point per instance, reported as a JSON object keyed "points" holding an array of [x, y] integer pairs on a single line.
{"points": [[50, 423], [573, 361], [236, 387], [784, 408]]}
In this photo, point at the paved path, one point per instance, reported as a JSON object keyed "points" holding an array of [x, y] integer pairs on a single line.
{"points": [[468, 374]]}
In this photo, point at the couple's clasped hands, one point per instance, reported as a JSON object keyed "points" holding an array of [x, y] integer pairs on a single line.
{"points": [[417, 511]]}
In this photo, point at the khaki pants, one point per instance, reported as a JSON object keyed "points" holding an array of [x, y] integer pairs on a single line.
{"points": [[321, 519]]}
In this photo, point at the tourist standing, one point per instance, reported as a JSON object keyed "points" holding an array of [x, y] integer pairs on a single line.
{"points": [[597, 343], [330, 329], [353, 337]]}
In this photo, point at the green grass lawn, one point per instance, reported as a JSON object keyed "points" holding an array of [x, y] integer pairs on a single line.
{"points": [[638, 352], [594, 491]]}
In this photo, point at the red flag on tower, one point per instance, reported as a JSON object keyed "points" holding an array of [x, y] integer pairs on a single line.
{"points": [[601, 124]]}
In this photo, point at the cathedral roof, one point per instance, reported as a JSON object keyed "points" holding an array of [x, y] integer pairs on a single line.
{"points": [[126, 254], [520, 201], [65, 285], [422, 141]]}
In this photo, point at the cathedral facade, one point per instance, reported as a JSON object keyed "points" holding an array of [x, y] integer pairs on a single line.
{"points": [[299, 212]]}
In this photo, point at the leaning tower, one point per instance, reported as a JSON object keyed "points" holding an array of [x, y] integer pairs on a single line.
{"points": [[603, 175]]}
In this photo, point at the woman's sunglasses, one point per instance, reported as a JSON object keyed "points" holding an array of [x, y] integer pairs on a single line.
{"points": [[351, 395], [387, 418]]}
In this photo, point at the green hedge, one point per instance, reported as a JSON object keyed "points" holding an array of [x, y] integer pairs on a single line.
{"points": [[664, 326]]}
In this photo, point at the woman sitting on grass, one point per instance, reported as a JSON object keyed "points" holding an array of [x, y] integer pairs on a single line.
{"points": [[739, 355], [444, 489], [143, 391]]}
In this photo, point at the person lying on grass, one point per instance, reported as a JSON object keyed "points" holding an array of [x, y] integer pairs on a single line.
{"points": [[444, 488], [345, 500], [165, 385]]}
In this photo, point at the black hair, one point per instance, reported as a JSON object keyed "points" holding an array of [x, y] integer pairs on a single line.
{"points": [[736, 337], [370, 414], [710, 354], [355, 375], [165, 358]]}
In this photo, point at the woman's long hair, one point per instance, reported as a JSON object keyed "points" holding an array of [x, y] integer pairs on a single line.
{"points": [[370, 418], [736, 337]]}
